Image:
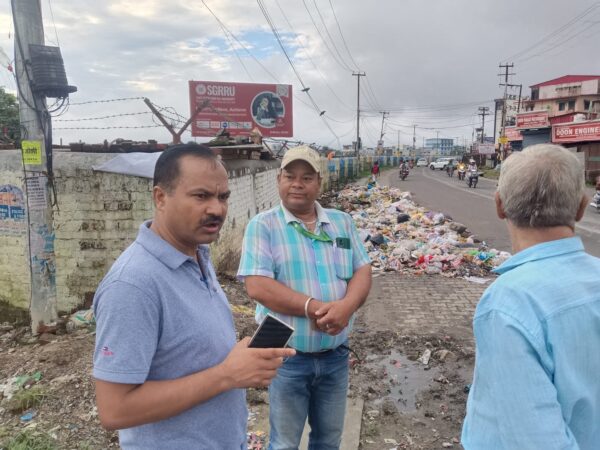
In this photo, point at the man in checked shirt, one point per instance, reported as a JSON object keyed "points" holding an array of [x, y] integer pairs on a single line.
{"points": [[306, 265]]}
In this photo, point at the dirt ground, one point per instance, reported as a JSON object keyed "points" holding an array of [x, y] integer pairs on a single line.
{"points": [[408, 405]]}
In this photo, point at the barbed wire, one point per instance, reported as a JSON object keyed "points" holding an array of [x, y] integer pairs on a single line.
{"points": [[109, 128], [123, 99], [105, 117]]}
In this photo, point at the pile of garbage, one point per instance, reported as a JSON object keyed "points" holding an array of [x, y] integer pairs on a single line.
{"points": [[403, 237]]}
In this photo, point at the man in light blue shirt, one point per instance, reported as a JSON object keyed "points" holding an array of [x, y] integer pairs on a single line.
{"points": [[537, 328]]}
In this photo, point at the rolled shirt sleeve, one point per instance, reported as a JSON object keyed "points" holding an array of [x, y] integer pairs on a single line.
{"points": [[127, 333], [256, 257], [359, 253], [513, 403]]}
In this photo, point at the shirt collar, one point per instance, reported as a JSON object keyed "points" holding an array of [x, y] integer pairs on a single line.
{"points": [[162, 250], [544, 250], [322, 216]]}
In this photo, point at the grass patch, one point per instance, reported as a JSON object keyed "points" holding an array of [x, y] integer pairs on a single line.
{"points": [[491, 174], [226, 251], [25, 399], [30, 439]]}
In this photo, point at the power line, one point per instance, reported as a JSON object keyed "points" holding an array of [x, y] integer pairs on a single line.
{"points": [[109, 128], [550, 36], [342, 35], [104, 117], [329, 34], [316, 67], [341, 64], [110, 100]]}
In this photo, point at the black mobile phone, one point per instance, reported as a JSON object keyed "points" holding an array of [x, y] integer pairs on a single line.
{"points": [[271, 333]]}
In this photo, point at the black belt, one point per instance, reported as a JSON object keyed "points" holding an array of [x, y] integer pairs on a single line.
{"points": [[326, 352]]}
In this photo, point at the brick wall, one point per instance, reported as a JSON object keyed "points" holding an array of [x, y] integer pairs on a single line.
{"points": [[98, 217], [99, 214]]}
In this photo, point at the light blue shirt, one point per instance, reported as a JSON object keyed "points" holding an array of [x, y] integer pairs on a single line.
{"points": [[273, 248], [160, 317], [537, 370]]}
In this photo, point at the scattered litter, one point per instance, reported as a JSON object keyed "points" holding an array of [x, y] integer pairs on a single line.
{"points": [[447, 444], [424, 358], [256, 440], [390, 441], [81, 319], [242, 309], [478, 280], [28, 416], [467, 389], [403, 237]]}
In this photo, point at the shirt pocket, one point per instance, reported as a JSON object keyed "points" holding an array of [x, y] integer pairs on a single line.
{"points": [[343, 262]]}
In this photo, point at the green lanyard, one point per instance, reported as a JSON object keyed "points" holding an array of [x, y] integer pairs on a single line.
{"points": [[322, 236]]}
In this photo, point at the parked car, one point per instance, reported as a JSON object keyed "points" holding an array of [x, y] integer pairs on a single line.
{"points": [[440, 163], [422, 162]]}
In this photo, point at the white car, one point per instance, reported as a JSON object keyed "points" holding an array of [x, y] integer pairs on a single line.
{"points": [[440, 163], [421, 162]]}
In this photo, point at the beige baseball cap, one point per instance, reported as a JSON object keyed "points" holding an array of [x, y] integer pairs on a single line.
{"points": [[303, 153]]}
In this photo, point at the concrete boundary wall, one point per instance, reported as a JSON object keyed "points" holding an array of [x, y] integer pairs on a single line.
{"points": [[99, 213]]}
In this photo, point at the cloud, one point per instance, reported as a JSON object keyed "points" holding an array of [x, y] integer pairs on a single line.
{"points": [[417, 56]]}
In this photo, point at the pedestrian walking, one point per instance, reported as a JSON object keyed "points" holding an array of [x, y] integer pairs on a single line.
{"points": [[307, 265], [168, 371], [537, 327]]}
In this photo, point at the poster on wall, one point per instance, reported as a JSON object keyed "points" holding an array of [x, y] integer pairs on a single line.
{"points": [[12, 211], [241, 107], [35, 191]]}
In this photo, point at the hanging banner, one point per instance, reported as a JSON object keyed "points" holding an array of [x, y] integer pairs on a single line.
{"points": [[239, 108], [32, 152], [576, 132]]}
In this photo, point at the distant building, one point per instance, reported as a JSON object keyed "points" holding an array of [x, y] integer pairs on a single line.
{"points": [[441, 146], [566, 96]]}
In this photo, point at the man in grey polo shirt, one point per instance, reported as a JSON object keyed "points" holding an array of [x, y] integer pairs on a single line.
{"points": [[168, 371]]}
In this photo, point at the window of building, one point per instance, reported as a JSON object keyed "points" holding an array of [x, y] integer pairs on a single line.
{"points": [[562, 106], [586, 105], [535, 94], [571, 104]]}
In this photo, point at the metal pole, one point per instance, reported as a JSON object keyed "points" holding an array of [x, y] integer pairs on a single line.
{"points": [[35, 123], [358, 75]]}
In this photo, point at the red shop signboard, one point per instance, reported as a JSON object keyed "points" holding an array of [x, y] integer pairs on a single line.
{"points": [[241, 107], [576, 132], [534, 119]]}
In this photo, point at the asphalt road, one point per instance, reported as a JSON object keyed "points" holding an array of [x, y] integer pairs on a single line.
{"points": [[475, 207]]}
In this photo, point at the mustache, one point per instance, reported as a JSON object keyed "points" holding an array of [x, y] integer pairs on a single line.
{"points": [[213, 220]]}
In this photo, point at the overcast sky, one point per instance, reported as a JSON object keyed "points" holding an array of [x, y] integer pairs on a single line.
{"points": [[428, 62]]}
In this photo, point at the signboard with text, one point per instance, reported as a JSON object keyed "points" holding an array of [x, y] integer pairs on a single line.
{"points": [[241, 107], [576, 132], [485, 148], [533, 119], [513, 134]]}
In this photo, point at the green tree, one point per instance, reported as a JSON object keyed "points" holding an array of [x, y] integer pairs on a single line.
{"points": [[10, 128]]}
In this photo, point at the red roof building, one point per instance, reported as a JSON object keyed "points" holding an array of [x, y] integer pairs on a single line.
{"points": [[566, 96]]}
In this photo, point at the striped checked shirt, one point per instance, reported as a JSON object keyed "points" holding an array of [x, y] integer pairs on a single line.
{"points": [[274, 248]]}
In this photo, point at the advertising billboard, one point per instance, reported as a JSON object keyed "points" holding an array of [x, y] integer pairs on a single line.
{"points": [[241, 107], [513, 134], [576, 132], [485, 148], [533, 119]]}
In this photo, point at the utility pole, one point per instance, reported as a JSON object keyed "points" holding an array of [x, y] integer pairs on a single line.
{"points": [[506, 74], [358, 75], [415, 139], [398, 142], [35, 124], [384, 114], [483, 111]]}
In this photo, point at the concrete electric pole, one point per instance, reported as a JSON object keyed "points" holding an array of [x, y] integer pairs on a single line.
{"points": [[384, 114], [483, 111], [358, 75], [37, 159], [506, 74]]}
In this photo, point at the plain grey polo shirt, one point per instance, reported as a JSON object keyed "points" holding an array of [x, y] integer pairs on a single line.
{"points": [[159, 318]]}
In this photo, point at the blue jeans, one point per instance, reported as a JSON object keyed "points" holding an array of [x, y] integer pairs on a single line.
{"points": [[314, 386]]}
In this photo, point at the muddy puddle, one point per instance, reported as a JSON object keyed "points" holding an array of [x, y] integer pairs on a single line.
{"points": [[406, 379]]}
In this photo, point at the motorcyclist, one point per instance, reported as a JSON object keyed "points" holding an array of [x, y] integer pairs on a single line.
{"points": [[403, 168], [472, 166], [596, 198], [472, 173]]}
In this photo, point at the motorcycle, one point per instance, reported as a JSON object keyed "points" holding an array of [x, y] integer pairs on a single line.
{"points": [[461, 171], [473, 178], [596, 201], [450, 170], [403, 172]]}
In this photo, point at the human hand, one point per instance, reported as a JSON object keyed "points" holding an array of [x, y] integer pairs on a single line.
{"points": [[247, 367], [333, 317]]}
